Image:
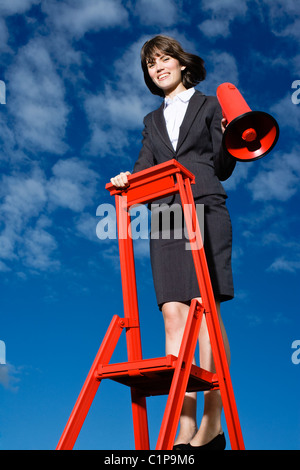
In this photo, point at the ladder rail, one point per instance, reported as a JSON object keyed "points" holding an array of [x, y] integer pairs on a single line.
{"points": [[180, 379], [211, 316], [90, 386]]}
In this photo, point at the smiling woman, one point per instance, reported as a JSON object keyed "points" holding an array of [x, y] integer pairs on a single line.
{"points": [[165, 72], [192, 70], [75, 100], [187, 127]]}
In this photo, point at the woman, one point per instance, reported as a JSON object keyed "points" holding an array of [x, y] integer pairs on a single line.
{"points": [[188, 126]]}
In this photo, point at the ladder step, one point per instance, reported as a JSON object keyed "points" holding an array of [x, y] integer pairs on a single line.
{"points": [[154, 376]]}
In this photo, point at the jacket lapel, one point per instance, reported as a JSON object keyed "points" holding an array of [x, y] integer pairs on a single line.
{"points": [[196, 102], [159, 122], [160, 125]]}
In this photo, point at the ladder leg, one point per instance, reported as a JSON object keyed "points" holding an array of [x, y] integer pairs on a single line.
{"points": [[224, 379], [180, 379], [211, 315], [90, 386], [131, 313], [140, 420]]}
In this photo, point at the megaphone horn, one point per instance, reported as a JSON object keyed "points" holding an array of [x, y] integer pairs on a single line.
{"points": [[249, 135]]}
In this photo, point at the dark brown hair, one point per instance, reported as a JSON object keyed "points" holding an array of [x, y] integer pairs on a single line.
{"points": [[194, 72]]}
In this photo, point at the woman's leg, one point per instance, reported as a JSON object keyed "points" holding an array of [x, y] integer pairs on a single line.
{"points": [[175, 316], [210, 425]]}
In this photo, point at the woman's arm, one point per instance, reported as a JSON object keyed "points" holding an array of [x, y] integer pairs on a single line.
{"points": [[224, 163]]}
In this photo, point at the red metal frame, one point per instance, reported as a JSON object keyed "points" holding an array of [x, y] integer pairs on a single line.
{"points": [[169, 375]]}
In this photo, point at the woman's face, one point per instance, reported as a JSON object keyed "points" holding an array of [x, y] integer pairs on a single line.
{"points": [[165, 72]]}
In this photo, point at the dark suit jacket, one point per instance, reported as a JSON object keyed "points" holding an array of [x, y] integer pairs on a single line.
{"points": [[199, 146]]}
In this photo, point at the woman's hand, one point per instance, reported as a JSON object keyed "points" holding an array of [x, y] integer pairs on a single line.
{"points": [[121, 180], [223, 125]]}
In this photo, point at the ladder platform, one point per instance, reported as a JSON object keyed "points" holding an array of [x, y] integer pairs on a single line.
{"points": [[154, 376]]}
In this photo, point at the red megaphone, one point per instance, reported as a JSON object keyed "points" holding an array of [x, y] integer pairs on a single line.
{"points": [[249, 135]]}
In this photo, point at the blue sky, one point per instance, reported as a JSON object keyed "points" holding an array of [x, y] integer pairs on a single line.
{"points": [[75, 101]]}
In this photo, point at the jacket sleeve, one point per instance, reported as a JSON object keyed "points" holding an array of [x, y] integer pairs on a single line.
{"points": [[146, 157], [223, 162]]}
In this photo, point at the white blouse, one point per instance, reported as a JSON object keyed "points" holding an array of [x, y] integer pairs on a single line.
{"points": [[174, 112]]}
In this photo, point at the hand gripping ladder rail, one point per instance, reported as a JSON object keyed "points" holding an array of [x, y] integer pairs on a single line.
{"points": [[169, 375]]}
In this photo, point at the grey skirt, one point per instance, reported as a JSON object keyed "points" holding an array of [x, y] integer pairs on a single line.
{"points": [[172, 262]]}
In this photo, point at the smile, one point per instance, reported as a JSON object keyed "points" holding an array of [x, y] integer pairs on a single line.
{"points": [[163, 76]]}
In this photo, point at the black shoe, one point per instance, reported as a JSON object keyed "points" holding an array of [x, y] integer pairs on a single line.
{"points": [[218, 443], [181, 447]]}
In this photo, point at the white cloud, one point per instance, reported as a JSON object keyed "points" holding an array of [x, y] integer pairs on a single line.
{"points": [[77, 17], [222, 13], [70, 61], [86, 227], [119, 109], [284, 17], [27, 203], [3, 267], [36, 100], [156, 12], [14, 7], [279, 180], [9, 148], [286, 112], [214, 28], [221, 67], [283, 264], [9, 376], [271, 229], [23, 197], [116, 108], [226, 6], [239, 175], [3, 36], [38, 248], [72, 185], [127, 71]]}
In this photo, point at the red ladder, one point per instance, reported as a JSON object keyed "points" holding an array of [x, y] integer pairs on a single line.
{"points": [[169, 375]]}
